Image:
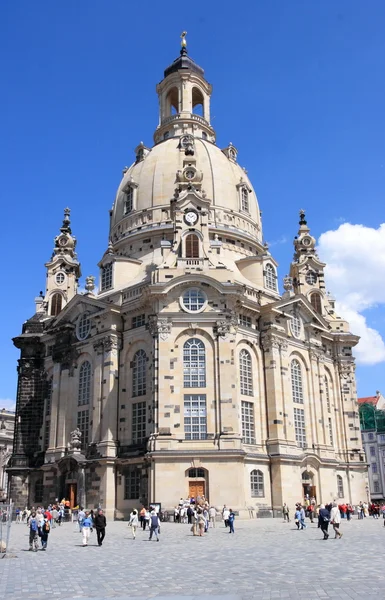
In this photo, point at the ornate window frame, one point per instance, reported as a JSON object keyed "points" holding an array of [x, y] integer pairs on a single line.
{"points": [[130, 192]]}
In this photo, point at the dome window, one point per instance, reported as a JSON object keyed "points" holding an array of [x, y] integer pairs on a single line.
{"points": [[245, 199], [270, 278], [129, 200]]}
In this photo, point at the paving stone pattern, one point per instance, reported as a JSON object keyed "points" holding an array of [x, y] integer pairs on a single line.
{"points": [[264, 559]]}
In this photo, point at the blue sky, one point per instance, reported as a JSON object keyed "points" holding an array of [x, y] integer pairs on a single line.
{"points": [[298, 88]]}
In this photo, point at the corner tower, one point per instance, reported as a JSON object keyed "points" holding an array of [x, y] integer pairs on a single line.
{"points": [[63, 270]]}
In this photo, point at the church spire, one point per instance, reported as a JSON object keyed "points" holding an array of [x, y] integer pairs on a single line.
{"points": [[304, 243], [63, 270]]}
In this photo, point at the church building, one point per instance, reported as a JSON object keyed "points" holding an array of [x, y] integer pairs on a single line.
{"points": [[185, 371]]}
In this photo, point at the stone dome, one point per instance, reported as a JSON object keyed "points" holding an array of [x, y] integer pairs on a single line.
{"points": [[153, 178]]}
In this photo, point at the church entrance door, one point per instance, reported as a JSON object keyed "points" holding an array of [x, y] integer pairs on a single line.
{"points": [[72, 494], [196, 488], [309, 491]]}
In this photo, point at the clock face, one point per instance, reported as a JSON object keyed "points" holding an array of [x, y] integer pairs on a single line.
{"points": [[306, 241], [191, 217], [189, 174]]}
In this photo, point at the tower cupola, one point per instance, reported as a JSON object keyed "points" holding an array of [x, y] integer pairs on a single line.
{"points": [[184, 100]]}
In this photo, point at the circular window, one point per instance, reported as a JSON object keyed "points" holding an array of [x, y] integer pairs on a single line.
{"points": [[60, 277], [311, 278], [306, 241], [189, 173], [83, 327], [193, 300], [296, 326]]}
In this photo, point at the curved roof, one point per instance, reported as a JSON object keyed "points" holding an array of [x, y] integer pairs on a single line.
{"points": [[154, 178]]}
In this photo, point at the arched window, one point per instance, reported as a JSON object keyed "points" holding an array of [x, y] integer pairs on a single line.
{"points": [[192, 246], [296, 382], [340, 487], [327, 394], [172, 102], [245, 199], [194, 364], [139, 373], [245, 373], [84, 393], [270, 278], [197, 102], [315, 300], [256, 484], [56, 304]]}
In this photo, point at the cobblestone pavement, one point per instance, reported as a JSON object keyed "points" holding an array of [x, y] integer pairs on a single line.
{"points": [[265, 559]]}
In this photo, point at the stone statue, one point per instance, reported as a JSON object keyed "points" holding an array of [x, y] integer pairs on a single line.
{"points": [[75, 443]]}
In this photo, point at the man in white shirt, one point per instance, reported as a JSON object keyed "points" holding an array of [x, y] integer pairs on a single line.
{"points": [[212, 516], [225, 515]]}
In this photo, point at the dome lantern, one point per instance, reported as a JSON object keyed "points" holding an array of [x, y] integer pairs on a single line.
{"points": [[184, 100]]}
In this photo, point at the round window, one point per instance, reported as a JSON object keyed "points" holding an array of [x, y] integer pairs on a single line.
{"points": [[193, 300], [60, 277], [83, 327], [311, 278], [296, 326]]}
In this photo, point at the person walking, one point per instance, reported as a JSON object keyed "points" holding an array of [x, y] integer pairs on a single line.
{"points": [[231, 520], [323, 520], [297, 516], [100, 526], [302, 518], [335, 520], [133, 522], [285, 511], [225, 515], [86, 528], [81, 517], [154, 526], [201, 522], [44, 532], [212, 516], [33, 532]]}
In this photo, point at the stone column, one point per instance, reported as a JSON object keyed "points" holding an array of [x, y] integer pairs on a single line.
{"points": [[230, 435], [109, 399]]}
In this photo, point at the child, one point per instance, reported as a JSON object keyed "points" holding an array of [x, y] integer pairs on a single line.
{"points": [[230, 521]]}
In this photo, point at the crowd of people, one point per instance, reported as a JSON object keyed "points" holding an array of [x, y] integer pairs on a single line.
{"points": [[197, 513]]}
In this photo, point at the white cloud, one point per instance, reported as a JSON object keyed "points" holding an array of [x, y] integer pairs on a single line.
{"points": [[7, 403], [355, 274]]}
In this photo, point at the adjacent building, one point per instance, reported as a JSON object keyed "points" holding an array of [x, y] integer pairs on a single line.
{"points": [[7, 426], [186, 372], [372, 419]]}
